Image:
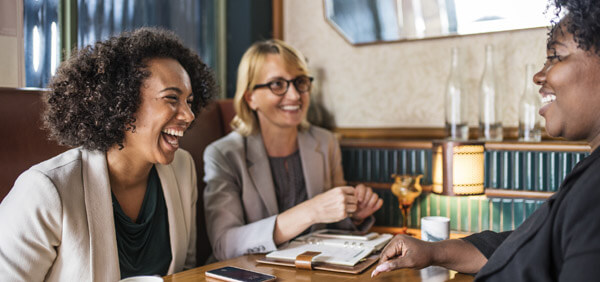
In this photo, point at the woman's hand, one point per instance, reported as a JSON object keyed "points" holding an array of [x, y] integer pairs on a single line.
{"points": [[404, 252], [368, 203], [333, 205], [408, 252]]}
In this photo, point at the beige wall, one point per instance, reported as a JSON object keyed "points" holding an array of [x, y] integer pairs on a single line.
{"points": [[402, 84], [10, 43], [9, 62]]}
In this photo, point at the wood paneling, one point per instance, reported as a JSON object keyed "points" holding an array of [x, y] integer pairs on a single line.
{"points": [[278, 19], [503, 193], [510, 133], [545, 146], [383, 143]]}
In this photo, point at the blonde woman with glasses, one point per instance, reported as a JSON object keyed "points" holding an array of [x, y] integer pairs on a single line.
{"points": [[276, 176]]}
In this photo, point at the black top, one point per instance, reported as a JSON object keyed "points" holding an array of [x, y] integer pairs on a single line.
{"points": [[144, 246], [560, 241], [288, 178]]}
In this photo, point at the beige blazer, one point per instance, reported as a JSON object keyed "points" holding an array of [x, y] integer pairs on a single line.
{"points": [[57, 221], [239, 199]]}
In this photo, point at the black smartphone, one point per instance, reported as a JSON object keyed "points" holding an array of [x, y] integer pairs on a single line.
{"points": [[345, 234], [230, 273]]}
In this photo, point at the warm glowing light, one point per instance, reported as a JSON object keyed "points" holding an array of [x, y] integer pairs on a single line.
{"points": [[468, 170], [464, 172], [437, 174]]}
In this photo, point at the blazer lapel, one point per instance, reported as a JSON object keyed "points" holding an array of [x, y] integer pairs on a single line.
{"points": [[260, 172], [175, 214], [312, 163], [104, 259]]}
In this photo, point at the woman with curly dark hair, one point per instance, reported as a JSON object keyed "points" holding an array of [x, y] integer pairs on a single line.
{"points": [[561, 240], [123, 202]]}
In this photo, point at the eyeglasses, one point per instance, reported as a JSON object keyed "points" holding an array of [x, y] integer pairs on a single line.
{"points": [[280, 86]]}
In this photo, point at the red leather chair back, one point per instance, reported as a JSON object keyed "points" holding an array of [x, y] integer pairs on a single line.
{"points": [[23, 142], [211, 124]]}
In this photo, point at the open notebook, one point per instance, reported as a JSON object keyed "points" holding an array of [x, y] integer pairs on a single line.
{"points": [[334, 251]]}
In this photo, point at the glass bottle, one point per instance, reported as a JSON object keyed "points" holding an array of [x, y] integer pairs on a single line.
{"points": [[455, 103], [490, 121], [529, 105]]}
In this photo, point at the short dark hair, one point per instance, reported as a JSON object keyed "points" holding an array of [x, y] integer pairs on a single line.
{"points": [[95, 94], [582, 20]]}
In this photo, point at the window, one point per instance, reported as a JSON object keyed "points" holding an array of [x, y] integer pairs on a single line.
{"points": [[194, 21], [42, 41], [191, 20]]}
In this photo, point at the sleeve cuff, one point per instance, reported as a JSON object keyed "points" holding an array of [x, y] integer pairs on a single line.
{"points": [[487, 241]]}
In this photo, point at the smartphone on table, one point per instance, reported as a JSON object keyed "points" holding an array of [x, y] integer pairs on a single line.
{"points": [[345, 234], [230, 273]]}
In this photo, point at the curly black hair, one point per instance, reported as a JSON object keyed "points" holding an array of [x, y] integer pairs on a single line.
{"points": [[95, 94], [582, 20]]}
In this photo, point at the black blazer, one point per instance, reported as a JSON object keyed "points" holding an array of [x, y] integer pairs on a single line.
{"points": [[560, 241]]}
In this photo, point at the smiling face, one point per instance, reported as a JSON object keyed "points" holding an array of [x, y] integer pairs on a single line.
{"points": [[570, 89], [285, 111], [163, 115]]}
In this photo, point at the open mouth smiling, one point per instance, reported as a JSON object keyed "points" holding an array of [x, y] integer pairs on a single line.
{"points": [[172, 136]]}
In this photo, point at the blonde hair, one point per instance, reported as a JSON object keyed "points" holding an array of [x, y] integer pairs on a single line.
{"points": [[245, 121]]}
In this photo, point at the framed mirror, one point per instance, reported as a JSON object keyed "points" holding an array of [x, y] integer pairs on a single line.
{"points": [[373, 21]]}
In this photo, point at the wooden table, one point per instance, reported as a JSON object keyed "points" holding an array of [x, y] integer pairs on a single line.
{"points": [[291, 274]]}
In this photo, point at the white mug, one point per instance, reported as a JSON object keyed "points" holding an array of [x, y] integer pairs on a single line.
{"points": [[435, 274], [435, 228], [142, 279]]}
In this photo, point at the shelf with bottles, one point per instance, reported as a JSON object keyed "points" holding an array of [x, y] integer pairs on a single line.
{"points": [[418, 136]]}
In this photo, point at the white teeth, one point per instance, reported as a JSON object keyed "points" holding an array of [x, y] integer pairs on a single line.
{"points": [[290, 107], [173, 132], [547, 99]]}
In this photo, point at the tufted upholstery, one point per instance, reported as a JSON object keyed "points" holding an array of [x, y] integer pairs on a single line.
{"points": [[23, 142], [211, 124]]}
